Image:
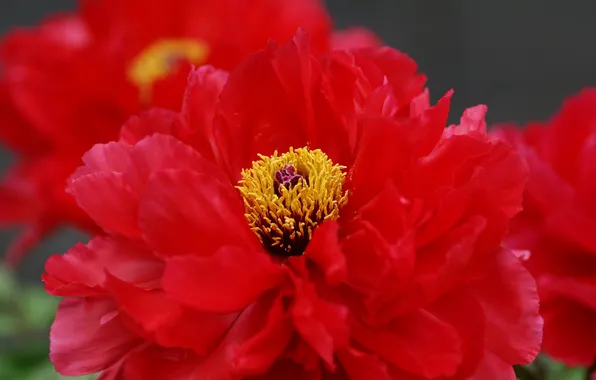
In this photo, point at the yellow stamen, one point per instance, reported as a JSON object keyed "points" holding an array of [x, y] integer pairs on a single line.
{"points": [[284, 214], [155, 62]]}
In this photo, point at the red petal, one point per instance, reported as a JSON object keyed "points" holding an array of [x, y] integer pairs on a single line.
{"points": [[160, 152], [381, 102], [509, 299], [105, 158], [81, 271], [168, 92], [580, 290], [137, 162], [355, 38], [15, 131], [387, 65], [368, 175], [108, 201], [199, 108], [195, 330], [149, 308], [566, 143], [86, 337], [192, 212], [493, 167], [361, 366], [148, 123], [322, 324], [258, 353], [167, 321], [419, 343], [18, 200], [400, 144], [440, 267], [227, 281], [462, 311], [545, 187], [569, 333], [471, 121], [120, 172], [493, 368], [586, 185], [377, 267], [252, 327], [158, 363], [263, 104], [324, 250], [574, 226], [289, 370]]}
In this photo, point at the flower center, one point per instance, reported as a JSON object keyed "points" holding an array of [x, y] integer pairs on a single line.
{"points": [[157, 61], [286, 196]]}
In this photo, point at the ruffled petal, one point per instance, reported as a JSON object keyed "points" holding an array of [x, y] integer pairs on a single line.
{"points": [[261, 351], [228, 280], [121, 172], [509, 300], [399, 144], [108, 201], [362, 366], [266, 104], [569, 333], [82, 270], [492, 367], [322, 324], [88, 336], [149, 122], [419, 343], [387, 65], [325, 251], [158, 363], [199, 109], [192, 212], [462, 311], [354, 38], [471, 121], [565, 149], [580, 290], [166, 321]]}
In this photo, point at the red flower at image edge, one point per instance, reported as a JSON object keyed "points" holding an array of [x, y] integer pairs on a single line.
{"points": [[558, 224], [72, 82], [299, 219]]}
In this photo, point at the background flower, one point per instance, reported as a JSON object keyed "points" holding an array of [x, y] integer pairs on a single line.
{"points": [[72, 81], [558, 224], [410, 282]]}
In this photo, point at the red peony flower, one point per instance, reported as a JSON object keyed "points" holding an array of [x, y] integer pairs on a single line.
{"points": [[73, 81], [558, 224], [300, 219]]}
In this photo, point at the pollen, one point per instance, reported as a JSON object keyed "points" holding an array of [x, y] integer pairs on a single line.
{"points": [[157, 60], [287, 196]]}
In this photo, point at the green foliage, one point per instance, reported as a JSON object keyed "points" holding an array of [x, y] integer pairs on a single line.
{"points": [[26, 313], [546, 369]]}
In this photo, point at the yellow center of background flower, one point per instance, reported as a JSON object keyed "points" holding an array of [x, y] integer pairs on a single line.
{"points": [[286, 196], [157, 60]]}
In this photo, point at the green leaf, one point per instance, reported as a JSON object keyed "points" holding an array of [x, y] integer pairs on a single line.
{"points": [[9, 325], [8, 284], [38, 307]]}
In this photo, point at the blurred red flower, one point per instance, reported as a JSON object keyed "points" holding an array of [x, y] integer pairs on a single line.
{"points": [[558, 224], [72, 81], [300, 219]]}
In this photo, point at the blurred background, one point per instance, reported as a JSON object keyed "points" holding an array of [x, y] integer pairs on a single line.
{"points": [[521, 58]]}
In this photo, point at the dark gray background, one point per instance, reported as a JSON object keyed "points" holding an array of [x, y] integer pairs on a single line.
{"points": [[521, 57]]}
